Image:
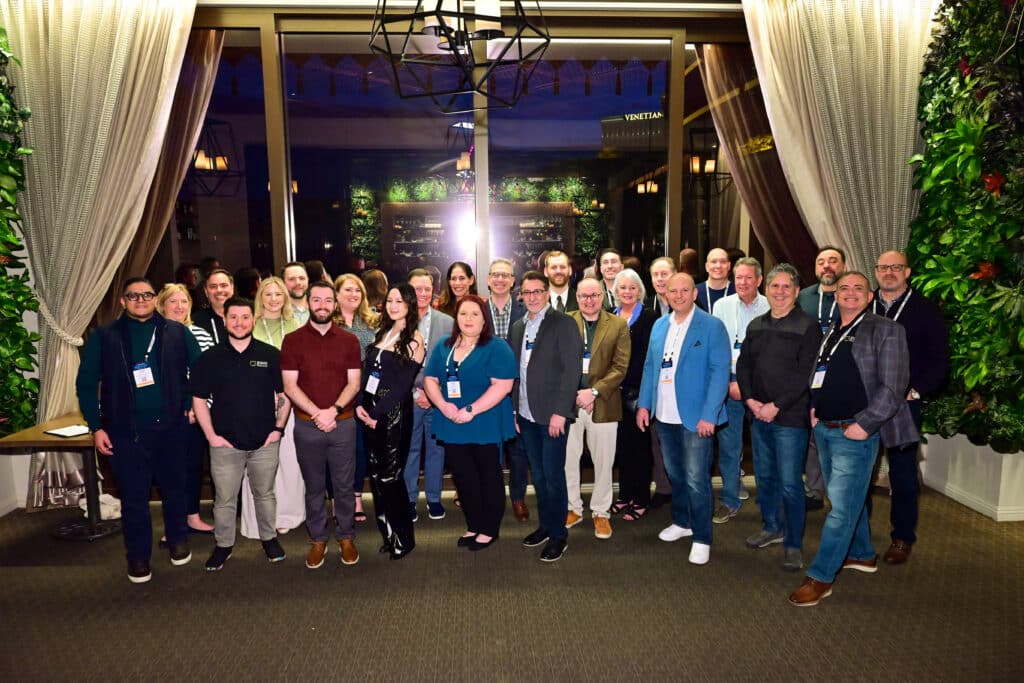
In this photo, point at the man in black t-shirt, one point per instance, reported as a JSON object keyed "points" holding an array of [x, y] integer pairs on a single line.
{"points": [[244, 427]]}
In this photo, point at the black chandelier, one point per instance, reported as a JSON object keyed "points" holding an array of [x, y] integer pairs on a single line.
{"points": [[441, 50]]}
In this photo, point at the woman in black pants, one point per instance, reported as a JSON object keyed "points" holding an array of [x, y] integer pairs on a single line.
{"points": [[633, 447], [468, 378], [389, 371]]}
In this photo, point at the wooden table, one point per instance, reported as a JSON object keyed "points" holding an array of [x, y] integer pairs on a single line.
{"points": [[36, 439]]}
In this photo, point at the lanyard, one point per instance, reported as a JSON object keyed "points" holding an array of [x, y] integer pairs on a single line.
{"points": [[270, 336], [149, 349], [839, 341], [388, 340], [452, 372], [213, 326], [821, 298], [670, 345], [874, 305], [425, 329]]}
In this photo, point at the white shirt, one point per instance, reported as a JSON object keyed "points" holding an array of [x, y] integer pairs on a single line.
{"points": [[666, 409], [529, 335], [553, 298]]}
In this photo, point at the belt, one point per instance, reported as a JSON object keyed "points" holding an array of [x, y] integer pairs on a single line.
{"points": [[838, 424], [343, 415]]}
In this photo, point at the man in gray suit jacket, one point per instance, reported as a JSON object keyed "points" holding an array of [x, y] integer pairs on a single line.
{"points": [[549, 350], [433, 326], [858, 392]]}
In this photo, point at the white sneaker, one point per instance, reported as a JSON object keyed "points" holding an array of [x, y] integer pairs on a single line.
{"points": [[700, 553], [673, 532]]}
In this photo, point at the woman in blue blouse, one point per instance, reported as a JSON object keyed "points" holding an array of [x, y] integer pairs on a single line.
{"points": [[469, 378]]}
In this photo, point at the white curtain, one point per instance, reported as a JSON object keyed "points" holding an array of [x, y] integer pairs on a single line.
{"points": [[840, 81], [99, 77]]}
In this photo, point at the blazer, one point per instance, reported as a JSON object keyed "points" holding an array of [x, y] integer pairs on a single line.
{"points": [[609, 361], [652, 304], [517, 313], [883, 362], [440, 326], [702, 370], [556, 365], [570, 300]]}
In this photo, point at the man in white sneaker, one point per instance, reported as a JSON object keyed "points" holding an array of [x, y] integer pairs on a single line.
{"points": [[606, 347], [684, 385]]}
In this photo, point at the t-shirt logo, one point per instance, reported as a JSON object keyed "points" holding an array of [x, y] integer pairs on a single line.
{"points": [[258, 364]]}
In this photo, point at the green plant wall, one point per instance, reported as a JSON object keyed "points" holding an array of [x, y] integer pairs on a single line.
{"points": [[966, 247], [365, 218], [17, 345]]}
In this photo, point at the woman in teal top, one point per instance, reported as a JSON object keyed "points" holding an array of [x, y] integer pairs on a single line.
{"points": [[469, 379]]}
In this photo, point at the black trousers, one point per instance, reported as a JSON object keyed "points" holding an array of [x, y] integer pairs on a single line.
{"points": [[634, 458], [476, 469]]}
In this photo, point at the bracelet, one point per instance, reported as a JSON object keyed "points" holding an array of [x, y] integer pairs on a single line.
{"points": [[279, 430]]}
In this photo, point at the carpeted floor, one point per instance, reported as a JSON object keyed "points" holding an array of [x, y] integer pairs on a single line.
{"points": [[630, 608]]}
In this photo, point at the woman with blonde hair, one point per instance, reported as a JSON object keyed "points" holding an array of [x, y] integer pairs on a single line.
{"points": [[175, 303], [354, 315], [273, 321], [376, 289]]}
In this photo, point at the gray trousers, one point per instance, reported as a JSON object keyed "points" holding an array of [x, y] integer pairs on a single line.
{"points": [[814, 483], [227, 466], [316, 451]]}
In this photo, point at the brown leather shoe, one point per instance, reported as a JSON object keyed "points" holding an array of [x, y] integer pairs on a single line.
{"points": [[349, 554], [866, 566], [810, 593], [898, 552], [315, 558], [521, 511]]}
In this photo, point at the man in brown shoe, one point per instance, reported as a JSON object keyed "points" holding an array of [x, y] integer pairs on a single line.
{"points": [[321, 369], [858, 394]]}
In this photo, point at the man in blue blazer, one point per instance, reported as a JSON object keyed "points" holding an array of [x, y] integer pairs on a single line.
{"points": [[684, 385]]}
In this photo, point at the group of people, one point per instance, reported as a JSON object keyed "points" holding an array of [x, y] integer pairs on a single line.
{"points": [[306, 390]]}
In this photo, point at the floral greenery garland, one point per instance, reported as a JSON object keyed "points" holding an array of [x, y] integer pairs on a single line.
{"points": [[966, 245], [17, 345]]}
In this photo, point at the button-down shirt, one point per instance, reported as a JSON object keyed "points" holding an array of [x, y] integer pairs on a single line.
{"points": [[553, 300], [301, 314], [529, 335], [502, 317], [667, 410]]}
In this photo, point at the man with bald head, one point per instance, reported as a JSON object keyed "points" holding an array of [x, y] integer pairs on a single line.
{"points": [[928, 344], [718, 284], [685, 380]]}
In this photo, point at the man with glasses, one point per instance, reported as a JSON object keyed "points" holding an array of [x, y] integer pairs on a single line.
{"points": [[549, 351], [928, 344], [219, 287], [433, 326], [132, 392], [858, 391], [321, 369], [505, 310]]}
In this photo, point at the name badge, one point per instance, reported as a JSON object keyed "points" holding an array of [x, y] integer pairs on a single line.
{"points": [[586, 364], [529, 345], [372, 382], [527, 351], [667, 374], [143, 375], [454, 388], [819, 377], [824, 326], [735, 355]]}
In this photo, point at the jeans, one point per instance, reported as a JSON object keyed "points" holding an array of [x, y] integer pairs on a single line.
{"points": [[156, 453], [518, 469], [227, 466], [547, 467], [778, 470], [316, 451], [847, 466], [688, 464], [730, 451], [433, 458]]}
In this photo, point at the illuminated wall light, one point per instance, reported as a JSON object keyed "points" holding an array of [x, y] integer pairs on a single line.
{"points": [[709, 166], [295, 187], [695, 164], [641, 188]]}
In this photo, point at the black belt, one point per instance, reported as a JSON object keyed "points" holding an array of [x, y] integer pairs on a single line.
{"points": [[838, 424]]}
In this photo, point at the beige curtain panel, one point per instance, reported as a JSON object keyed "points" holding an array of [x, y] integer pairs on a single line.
{"points": [[840, 82], [191, 99], [99, 77]]}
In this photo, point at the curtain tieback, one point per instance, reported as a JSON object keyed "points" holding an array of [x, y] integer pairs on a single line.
{"points": [[52, 322]]}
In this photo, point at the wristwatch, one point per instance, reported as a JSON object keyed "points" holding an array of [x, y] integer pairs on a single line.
{"points": [[340, 409], [279, 430], [594, 392], [469, 408]]}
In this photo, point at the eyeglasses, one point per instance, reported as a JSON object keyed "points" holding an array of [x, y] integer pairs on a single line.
{"points": [[890, 268], [532, 292], [140, 296], [590, 297], [501, 276]]}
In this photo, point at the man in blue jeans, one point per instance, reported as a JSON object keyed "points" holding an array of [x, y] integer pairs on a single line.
{"points": [[685, 380], [549, 350], [858, 396], [736, 311]]}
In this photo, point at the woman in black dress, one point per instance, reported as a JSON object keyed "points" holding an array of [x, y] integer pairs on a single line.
{"points": [[385, 409]]}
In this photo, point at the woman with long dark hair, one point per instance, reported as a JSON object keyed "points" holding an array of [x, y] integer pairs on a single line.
{"points": [[389, 371], [459, 281], [469, 379]]}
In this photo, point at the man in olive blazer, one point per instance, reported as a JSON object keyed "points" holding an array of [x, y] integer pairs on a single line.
{"points": [[549, 351], [606, 348]]}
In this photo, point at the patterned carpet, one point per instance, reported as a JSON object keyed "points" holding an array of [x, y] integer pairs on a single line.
{"points": [[630, 608]]}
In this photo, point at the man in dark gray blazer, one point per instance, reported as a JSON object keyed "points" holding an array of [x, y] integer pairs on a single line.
{"points": [[549, 350], [434, 325], [858, 397]]}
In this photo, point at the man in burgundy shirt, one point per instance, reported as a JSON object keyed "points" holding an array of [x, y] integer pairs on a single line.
{"points": [[320, 366]]}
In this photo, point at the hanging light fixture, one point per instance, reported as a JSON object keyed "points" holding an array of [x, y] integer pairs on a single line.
{"points": [[215, 168], [442, 50]]}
